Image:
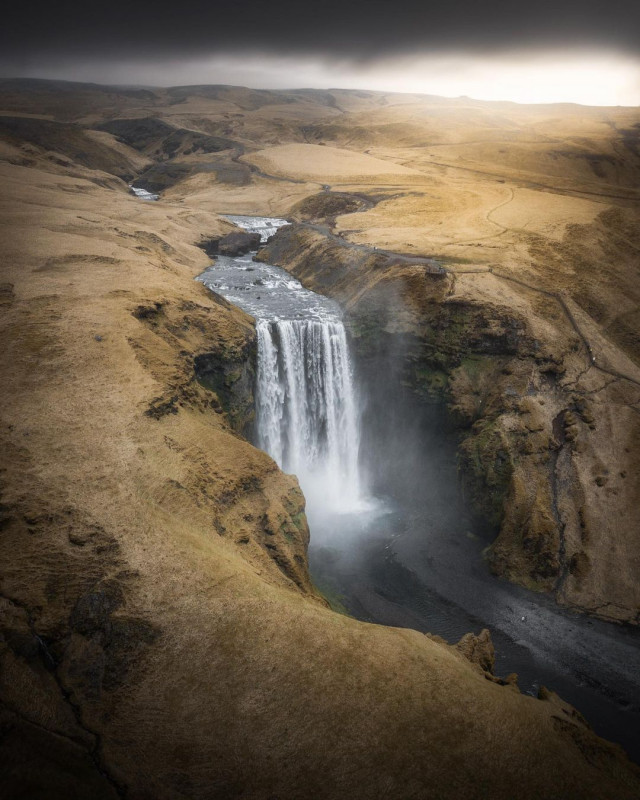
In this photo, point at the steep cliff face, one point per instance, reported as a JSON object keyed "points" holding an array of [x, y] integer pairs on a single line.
{"points": [[230, 375], [546, 427]]}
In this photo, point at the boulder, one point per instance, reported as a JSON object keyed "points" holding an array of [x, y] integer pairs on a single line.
{"points": [[232, 244]]}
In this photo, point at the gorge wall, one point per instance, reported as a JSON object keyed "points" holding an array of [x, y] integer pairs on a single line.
{"points": [[548, 435]]}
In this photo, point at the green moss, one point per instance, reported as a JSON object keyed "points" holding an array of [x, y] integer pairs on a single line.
{"points": [[229, 374], [429, 383], [365, 331], [300, 521], [474, 366], [487, 465], [334, 599], [522, 576]]}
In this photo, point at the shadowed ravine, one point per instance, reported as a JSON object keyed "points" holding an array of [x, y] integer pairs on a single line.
{"points": [[391, 541]]}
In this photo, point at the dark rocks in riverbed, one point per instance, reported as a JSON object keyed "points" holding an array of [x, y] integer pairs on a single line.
{"points": [[210, 246], [237, 244], [232, 244]]}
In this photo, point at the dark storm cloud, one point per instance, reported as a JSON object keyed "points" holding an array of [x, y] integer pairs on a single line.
{"points": [[355, 29]]}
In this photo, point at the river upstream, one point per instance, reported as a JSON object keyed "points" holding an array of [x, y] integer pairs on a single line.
{"points": [[401, 550]]}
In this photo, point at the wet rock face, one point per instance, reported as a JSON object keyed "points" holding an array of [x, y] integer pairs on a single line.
{"points": [[517, 475], [231, 376], [232, 244], [478, 363]]}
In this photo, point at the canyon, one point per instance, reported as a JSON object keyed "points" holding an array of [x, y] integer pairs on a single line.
{"points": [[161, 633]]}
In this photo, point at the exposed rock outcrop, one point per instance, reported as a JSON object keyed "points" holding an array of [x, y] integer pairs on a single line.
{"points": [[232, 244], [157, 137], [231, 376], [478, 650], [325, 207]]}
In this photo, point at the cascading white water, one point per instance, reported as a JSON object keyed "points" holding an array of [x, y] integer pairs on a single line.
{"points": [[306, 409]]}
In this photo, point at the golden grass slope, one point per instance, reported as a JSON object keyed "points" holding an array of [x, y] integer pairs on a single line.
{"points": [[327, 164]]}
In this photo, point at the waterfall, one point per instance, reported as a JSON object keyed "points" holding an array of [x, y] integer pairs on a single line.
{"points": [[306, 410]]}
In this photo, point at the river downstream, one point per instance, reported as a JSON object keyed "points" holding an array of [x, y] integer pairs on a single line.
{"points": [[406, 555]]}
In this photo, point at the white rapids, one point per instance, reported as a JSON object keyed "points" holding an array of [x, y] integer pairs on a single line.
{"points": [[306, 405], [143, 194]]}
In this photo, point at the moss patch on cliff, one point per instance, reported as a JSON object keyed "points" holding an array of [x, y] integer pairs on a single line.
{"points": [[230, 374], [430, 383], [486, 469]]}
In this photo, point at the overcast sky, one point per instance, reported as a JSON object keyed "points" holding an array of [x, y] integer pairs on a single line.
{"points": [[580, 50]]}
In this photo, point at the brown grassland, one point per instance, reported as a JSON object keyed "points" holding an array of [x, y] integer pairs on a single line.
{"points": [[161, 637]]}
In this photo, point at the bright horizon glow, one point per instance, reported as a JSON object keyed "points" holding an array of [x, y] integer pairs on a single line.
{"points": [[588, 78]]}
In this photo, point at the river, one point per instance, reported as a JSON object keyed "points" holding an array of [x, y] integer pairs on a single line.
{"points": [[401, 550]]}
